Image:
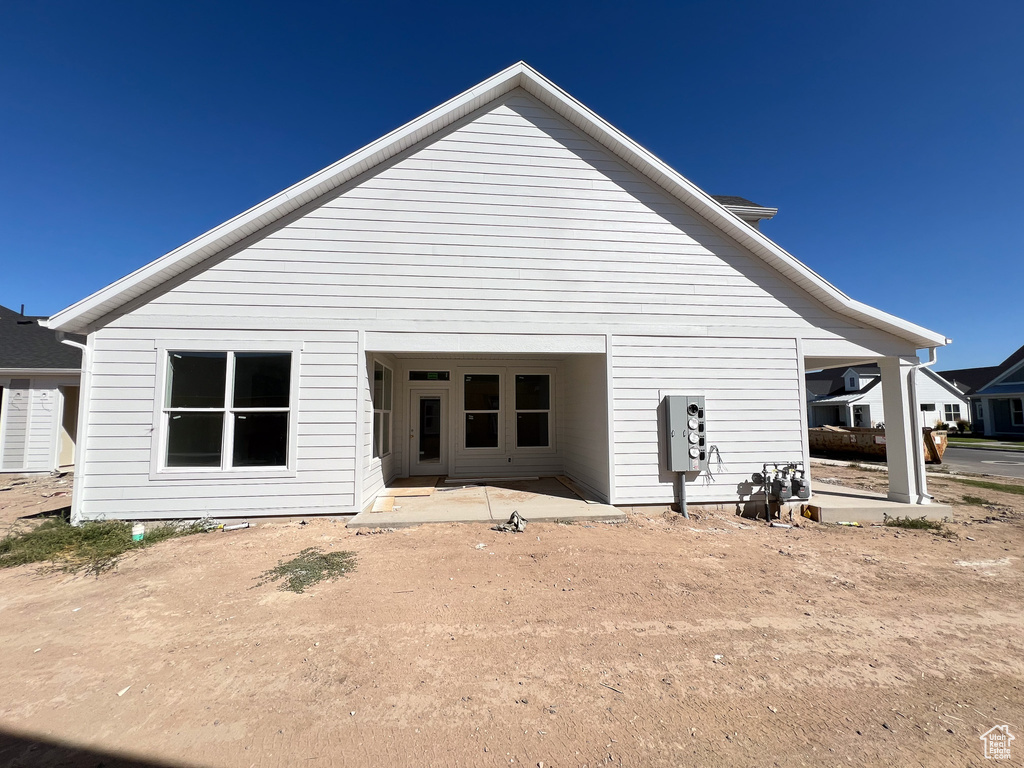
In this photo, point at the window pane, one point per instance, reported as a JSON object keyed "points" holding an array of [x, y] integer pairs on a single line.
{"points": [[481, 430], [533, 392], [196, 379], [262, 380], [261, 440], [482, 392], [378, 386], [376, 434], [385, 434], [194, 439], [387, 389], [531, 430]]}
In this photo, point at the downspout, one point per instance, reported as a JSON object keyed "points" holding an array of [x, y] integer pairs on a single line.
{"points": [[923, 496], [83, 415]]}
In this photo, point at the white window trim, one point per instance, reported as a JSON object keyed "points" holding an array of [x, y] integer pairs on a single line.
{"points": [[533, 449], [376, 439], [157, 463], [1013, 413], [947, 408], [499, 449]]}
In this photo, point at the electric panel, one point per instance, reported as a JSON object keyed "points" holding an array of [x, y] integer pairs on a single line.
{"points": [[687, 435]]}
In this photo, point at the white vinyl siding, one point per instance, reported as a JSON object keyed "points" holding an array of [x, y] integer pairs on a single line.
{"points": [[510, 222], [583, 422], [17, 408], [752, 393], [31, 423], [511, 217], [120, 432]]}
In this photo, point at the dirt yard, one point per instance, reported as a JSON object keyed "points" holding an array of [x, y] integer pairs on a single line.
{"points": [[655, 642]]}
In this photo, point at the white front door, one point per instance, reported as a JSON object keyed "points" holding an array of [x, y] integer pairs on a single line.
{"points": [[428, 432]]}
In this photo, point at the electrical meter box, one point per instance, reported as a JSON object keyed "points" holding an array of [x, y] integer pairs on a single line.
{"points": [[687, 437]]}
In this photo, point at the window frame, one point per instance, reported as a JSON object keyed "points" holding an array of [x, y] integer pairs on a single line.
{"points": [[161, 413], [549, 411], [376, 448], [947, 413], [499, 448], [1017, 414]]}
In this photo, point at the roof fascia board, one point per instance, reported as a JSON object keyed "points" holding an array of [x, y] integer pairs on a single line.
{"points": [[101, 303], [947, 385], [694, 197], [309, 189]]}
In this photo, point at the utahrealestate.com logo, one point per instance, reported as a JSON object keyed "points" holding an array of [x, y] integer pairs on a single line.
{"points": [[997, 742]]}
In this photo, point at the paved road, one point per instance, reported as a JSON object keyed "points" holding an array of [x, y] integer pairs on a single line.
{"points": [[985, 460]]}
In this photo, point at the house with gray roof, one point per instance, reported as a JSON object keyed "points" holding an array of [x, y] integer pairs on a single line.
{"points": [[996, 393], [39, 386]]}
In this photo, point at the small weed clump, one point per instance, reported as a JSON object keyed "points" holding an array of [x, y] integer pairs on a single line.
{"points": [[919, 524], [309, 567], [94, 547], [977, 501]]}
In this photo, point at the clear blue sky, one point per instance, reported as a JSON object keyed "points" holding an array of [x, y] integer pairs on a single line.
{"points": [[889, 134]]}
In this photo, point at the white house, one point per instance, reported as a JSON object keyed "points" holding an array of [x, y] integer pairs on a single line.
{"points": [[38, 396], [505, 286], [852, 397]]}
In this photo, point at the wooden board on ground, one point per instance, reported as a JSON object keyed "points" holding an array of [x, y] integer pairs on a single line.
{"points": [[411, 486], [383, 504], [576, 489]]}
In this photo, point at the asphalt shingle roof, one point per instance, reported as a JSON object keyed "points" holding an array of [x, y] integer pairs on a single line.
{"points": [[976, 378], [26, 344]]}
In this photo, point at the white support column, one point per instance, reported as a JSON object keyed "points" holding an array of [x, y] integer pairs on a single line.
{"points": [[900, 440]]}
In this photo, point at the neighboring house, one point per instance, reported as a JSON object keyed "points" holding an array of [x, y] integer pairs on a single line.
{"points": [[506, 286], [852, 397], [997, 395], [39, 379]]}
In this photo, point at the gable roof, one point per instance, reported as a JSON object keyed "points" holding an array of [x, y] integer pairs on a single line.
{"points": [[24, 344], [973, 379], [87, 313], [831, 382]]}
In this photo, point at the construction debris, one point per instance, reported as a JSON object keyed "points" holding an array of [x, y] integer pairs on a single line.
{"points": [[515, 524]]}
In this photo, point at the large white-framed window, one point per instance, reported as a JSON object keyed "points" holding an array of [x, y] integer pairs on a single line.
{"points": [[533, 410], [1017, 411], [481, 405], [951, 412], [226, 410], [383, 397]]}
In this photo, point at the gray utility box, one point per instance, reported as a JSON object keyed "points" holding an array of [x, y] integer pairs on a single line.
{"points": [[687, 437]]}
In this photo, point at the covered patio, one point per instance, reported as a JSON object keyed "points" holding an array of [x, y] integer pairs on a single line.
{"points": [[903, 429], [420, 500]]}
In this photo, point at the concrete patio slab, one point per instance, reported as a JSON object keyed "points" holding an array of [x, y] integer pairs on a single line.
{"points": [[543, 500], [836, 503]]}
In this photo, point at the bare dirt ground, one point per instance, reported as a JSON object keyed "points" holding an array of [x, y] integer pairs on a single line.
{"points": [[654, 642]]}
